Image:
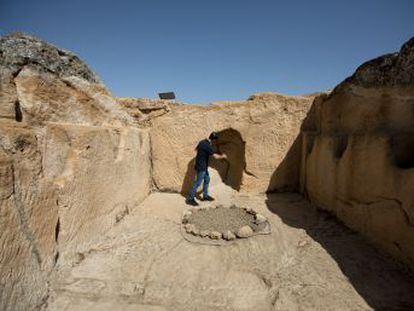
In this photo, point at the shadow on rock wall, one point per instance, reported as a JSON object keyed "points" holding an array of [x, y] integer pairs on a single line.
{"points": [[189, 177], [379, 280], [286, 176]]}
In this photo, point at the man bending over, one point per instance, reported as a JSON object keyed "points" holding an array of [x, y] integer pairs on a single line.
{"points": [[204, 151]]}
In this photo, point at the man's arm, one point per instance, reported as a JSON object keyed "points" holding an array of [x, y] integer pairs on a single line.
{"points": [[219, 156], [215, 155]]}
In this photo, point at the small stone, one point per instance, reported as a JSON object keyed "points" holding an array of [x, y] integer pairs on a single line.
{"points": [[215, 235], [233, 206], [260, 219], [250, 210], [302, 243], [189, 228], [220, 206], [213, 207], [228, 235], [245, 232], [186, 217], [204, 233], [196, 231]]}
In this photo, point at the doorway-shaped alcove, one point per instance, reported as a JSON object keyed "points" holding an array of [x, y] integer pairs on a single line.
{"points": [[231, 170]]}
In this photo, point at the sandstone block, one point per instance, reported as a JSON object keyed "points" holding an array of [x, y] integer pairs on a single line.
{"points": [[228, 235], [244, 232]]}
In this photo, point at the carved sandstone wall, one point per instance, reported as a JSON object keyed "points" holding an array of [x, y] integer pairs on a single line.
{"points": [[72, 164], [259, 135], [358, 152]]}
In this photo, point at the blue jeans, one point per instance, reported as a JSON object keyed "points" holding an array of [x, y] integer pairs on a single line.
{"points": [[201, 176]]}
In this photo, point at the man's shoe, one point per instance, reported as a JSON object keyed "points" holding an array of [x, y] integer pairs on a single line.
{"points": [[207, 198], [191, 202]]}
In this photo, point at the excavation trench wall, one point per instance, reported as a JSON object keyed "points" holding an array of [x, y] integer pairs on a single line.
{"points": [[358, 152], [72, 164], [62, 187], [357, 162], [258, 135]]}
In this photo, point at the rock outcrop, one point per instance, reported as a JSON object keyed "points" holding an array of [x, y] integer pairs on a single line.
{"points": [[19, 50], [143, 110], [358, 152], [390, 70], [72, 164], [258, 135], [144, 105], [41, 83]]}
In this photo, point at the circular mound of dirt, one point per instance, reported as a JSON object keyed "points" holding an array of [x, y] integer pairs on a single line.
{"points": [[219, 224], [221, 219]]}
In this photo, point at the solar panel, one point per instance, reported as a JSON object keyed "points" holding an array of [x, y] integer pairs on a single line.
{"points": [[167, 95]]}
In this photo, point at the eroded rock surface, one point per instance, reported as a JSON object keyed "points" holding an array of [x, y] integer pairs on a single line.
{"points": [[19, 50], [41, 83], [143, 110], [358, 152], [71, 165], [396, 69], [258, 135]]}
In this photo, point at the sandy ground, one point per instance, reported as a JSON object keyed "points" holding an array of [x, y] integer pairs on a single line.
{"points": [[309, 262]]}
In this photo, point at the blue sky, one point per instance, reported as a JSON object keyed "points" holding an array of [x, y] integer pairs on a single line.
{"points": [[216, 50]]}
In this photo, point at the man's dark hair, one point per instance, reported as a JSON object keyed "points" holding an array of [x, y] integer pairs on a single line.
{"points": [[213, 136]]}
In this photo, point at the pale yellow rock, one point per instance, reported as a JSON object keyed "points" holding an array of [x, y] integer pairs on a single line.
{"points": [[186, 216], [215, 235], [43, 97], [228, 235], [204, 233], [71, 166], [259, 218], [189, 228], [65, 185], [244, 232], [357, 153], [260, 137]]}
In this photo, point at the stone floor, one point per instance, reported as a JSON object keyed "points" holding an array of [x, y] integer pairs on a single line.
{"points": [[309, 262]]}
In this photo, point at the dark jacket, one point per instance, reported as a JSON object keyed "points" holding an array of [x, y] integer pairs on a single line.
{"points": [[204, 151]]}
